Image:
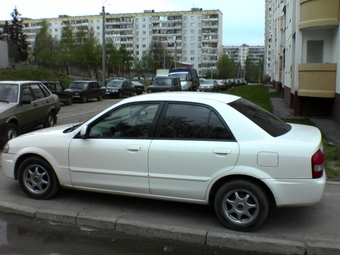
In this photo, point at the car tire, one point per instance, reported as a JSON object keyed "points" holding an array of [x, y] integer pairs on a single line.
{"points": [[11, 131], [120, 95], [37, 178], [100, 97], [241, 205], [69, 101], [83, 99], [50, 121]]}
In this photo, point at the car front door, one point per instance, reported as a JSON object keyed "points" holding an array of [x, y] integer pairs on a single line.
{"points": [[192, 147], [30, 108], [114, 154]]}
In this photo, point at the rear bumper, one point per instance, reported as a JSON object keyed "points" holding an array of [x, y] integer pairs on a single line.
{"points": [[296, 192]]}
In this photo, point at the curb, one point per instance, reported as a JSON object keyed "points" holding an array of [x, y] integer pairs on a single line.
{"points": [[238, 241]]}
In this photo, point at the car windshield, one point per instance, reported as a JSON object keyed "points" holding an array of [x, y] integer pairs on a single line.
{"points": [[163, 81], [115, 84], [78, 85], [137, 83], [181, 76], [208, 82], [264, 119], [8, 92]]}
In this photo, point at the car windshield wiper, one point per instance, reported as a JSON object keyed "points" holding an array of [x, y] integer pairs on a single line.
{"points": [[2, 100]]}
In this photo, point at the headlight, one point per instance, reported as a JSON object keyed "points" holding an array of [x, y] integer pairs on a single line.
{"points": [[6, 148]]}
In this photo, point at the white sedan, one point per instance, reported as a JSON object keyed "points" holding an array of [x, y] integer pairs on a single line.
{"points": [[180, 146]]}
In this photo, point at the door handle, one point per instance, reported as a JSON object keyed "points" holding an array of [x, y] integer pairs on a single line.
{"points": [[134, 148], [222, 151]]}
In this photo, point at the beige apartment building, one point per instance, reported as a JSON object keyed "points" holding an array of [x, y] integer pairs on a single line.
{"points": [[302, 54], [194, 37]]}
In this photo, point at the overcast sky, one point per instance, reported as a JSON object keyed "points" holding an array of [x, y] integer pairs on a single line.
{"points": [[243, 20]]}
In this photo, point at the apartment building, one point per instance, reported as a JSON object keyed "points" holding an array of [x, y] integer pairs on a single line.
{"points": [[302, 54], [240, 53], [194, 37]]}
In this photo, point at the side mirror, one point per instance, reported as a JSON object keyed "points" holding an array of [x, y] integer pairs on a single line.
{"points": [[83, 132]]}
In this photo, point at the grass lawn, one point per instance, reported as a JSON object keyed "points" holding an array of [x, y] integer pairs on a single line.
{"points": [[260, 95]]}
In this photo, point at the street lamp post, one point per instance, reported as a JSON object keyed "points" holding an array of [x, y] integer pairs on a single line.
{"points": [[103, 46]]}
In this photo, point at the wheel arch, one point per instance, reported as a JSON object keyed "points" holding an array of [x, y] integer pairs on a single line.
{"points": [[251, 179], [23, 157], [13, 120]]}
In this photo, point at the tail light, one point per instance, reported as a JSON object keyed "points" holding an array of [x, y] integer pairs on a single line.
{"points": [[317, 164]]}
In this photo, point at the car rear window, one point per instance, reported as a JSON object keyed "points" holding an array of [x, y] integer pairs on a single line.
{"points": [[264, 119]]}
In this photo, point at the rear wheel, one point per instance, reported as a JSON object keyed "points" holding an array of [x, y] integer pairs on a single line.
{"points": [[241, 205], [37, 178], [50, 121]]}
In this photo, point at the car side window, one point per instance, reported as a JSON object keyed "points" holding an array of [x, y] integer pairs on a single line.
{"points": [[37, 92], [183, 121], [45, 91], [132, 121], [27, 94]]}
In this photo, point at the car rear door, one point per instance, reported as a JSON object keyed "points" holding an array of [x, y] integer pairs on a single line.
{"points": [[192, 147]]}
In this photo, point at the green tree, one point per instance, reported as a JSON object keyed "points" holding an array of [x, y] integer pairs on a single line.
{"points": [[67, 48], [158, 53], [17, 41], [125, 60], [225, 67], [112, 59], [45, 47], [147, 62], [88, 51]]}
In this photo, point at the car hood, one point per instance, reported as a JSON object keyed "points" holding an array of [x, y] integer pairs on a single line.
{"points": [[51, 131], [303, 133], [5, 106]]}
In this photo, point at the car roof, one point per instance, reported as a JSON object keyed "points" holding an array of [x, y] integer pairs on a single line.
{"points": [[184, 96], [19, 82]]}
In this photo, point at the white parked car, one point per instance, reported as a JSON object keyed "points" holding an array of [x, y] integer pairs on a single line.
{"points": [[181, 146]]}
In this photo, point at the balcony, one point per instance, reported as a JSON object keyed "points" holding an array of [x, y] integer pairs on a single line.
{"points": [[319, 13], [317, 80]]}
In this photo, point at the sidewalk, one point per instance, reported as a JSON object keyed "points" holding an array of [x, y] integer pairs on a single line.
{"points": [[328, 127]]}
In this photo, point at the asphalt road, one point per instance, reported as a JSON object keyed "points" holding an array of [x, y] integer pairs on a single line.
{"points": [[301, 230]]}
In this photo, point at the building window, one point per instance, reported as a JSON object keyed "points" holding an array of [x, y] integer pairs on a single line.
{"points": [[314, 51]]}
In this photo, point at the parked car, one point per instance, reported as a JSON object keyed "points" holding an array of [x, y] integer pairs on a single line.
{"points": [[25, 105], [165, 83], [231, 82], [119, 88], [209, 85], [84, 90], [113, 78], [55, 87], [221, 85], [190, 147], [139, 87]]}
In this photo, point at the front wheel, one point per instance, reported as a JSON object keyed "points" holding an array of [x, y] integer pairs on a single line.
{"points": [[11, 131], [100, 97], [83, 99], [37, 178], [241, 205]]}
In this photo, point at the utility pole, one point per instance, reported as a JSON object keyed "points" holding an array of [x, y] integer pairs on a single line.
{"points": [[103, 46]]}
